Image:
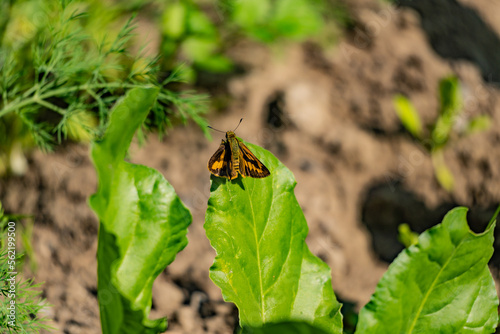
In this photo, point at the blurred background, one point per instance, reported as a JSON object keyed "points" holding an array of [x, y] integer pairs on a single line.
{"points": [[387, 113]]}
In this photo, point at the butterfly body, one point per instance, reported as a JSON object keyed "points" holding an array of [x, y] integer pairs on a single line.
{"points": [[233, 157]]}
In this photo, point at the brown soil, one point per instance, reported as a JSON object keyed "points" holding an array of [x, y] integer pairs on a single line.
{"points": [[328, 116]]}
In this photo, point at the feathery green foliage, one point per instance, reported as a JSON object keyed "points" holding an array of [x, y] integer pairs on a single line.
{"points": [[56, 82], [25, 293]]}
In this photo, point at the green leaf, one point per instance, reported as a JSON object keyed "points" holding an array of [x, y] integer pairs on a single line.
{"points": [[199, 48], [406, 236], [143, 223], [297, 19], [203, 51], [285, 327], [263, 264], [443, 173], [408, 116], [250, 13], [199, 24], [216, 63], [267, 21], [174, 20], [451, 106], [449, 93], [441, 131], [169, 48], [440, 285], [478, 124]]}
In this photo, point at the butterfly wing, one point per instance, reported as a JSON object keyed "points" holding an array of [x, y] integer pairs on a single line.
{"points": [[250, 165], [220, 163]]}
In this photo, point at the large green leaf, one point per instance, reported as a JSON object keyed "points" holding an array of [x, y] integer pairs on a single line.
{"points": [[440, 285], [285, 328], [143, 224], [263, 264]]}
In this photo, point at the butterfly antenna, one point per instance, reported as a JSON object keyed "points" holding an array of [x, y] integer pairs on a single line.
{"points": [[215, 129], [238, 125]]}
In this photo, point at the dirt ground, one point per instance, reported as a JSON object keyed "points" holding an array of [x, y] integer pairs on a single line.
{"points": [[328, 116]]}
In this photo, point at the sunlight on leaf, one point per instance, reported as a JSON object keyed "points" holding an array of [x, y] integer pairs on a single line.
{"points": [[406, 236], [451, 107], [408, 116], [450, 97], [285, 327], [478, 124], [440, 285], [174, 20], [143, 223], [263, 264], [443, 173]]}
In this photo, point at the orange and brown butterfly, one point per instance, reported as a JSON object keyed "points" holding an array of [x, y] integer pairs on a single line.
{"points": [[233, 157]]}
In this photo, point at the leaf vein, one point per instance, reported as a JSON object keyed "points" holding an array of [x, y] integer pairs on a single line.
{"points": [[432, 286], [263, 316]]}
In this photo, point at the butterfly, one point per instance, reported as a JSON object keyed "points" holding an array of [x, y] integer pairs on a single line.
{"points": [[233, 157]]}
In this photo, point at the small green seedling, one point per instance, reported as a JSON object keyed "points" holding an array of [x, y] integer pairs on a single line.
{"points": [[406, 236], [445, 129]]}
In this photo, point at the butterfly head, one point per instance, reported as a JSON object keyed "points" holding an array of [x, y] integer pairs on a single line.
{"points": [[229, 134]]}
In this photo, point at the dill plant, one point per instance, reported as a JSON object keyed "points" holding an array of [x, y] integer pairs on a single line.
{"points": [[58, 83], [28, 302]]}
